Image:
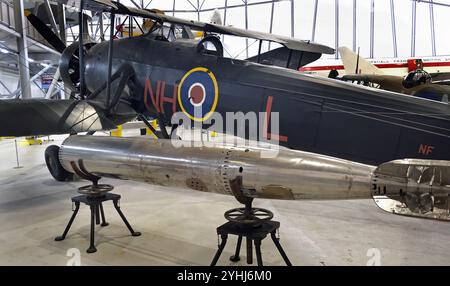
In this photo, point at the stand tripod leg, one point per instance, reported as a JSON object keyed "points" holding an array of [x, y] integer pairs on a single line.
{"points": [[72, 218], [258, 252], [97, 214], [219, 251], [249, 251], [235, 257], [102, 212], [280, 249], [92, 248], [116, 206]]}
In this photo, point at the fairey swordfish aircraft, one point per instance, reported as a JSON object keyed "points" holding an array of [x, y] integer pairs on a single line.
{"points": [[343, 141]]}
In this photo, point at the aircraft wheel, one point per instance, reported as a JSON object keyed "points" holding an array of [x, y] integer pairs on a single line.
{"points": [[54, 166]]}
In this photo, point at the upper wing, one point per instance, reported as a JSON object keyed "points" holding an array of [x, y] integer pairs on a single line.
{"points": [[278, 56], [117, 8], [93, 5]]}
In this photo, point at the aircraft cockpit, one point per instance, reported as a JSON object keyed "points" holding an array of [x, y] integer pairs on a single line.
{"points": [[416, 78], [210, 45], [169, 33]]}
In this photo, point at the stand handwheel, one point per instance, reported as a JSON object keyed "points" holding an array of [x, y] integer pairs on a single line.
{"points": [[95, 190], [246, 216], [254, 224]]}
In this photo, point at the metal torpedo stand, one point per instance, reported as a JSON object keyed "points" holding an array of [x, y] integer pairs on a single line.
{"points": [[94, 195], [252, 223]]}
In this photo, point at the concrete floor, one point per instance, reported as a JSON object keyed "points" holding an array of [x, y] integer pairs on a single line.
{"points": [[178, 226]]}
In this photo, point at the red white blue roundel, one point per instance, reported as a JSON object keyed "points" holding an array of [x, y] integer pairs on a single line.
{"points": [[198, 94]]}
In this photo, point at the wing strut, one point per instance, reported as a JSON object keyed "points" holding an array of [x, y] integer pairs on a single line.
{"points": [[110, 56], [81, 50]]}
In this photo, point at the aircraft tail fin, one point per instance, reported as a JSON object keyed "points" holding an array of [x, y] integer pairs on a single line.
{"points": [[354, 63], [216, 18]]}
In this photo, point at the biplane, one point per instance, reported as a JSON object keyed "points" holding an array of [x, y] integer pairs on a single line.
{"points": [[342, 140]]}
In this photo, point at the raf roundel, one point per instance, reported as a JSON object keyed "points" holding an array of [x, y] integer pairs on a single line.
{"points": [[198, 94]]}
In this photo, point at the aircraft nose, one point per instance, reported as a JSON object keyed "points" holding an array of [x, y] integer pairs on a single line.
{"points": [[96, 69]]}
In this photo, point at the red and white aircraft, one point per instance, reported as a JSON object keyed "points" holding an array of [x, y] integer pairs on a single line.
{"points": [[389, 66]]}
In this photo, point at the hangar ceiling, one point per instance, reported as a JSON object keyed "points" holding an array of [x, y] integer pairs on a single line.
{"points": [[381, 28]]}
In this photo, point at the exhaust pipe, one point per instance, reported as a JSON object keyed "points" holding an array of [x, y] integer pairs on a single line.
{"points": [[218, 168]]}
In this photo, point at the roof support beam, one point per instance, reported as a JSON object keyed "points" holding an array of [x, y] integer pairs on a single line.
{"points": [[413, 28], [394, 30], [19, 91], [313, 32], [173, 6], [272, 11], [336, 27], [24, 68], [53, 85], [354, 25], [10, 94], [372, 28], [198, 10], [292, 19], [246, 27], [432, 33]]}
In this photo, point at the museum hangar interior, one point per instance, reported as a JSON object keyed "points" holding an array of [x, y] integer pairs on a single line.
{"points": [[224, 132]]}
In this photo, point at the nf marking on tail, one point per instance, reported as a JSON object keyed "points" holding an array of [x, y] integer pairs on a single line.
{"points": [[425, 149]]}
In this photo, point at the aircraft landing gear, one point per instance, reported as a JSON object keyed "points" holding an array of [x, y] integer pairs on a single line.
{"points": [[252, 223], [54, 166]]}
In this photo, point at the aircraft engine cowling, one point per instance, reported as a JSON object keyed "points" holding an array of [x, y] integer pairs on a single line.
{"points": [[69, 65], [225, 169]]}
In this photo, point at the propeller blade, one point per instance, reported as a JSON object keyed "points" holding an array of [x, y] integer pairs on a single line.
{"points": [[47, 33]]}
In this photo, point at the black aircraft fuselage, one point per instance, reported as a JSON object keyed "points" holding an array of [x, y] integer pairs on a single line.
{"points": [[316, 114]]}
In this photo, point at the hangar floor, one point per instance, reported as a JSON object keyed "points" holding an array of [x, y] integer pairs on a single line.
{"points": [[178, 226]]}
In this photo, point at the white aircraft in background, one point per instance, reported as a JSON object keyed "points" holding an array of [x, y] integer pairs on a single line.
{"points": [[387, 66]]}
